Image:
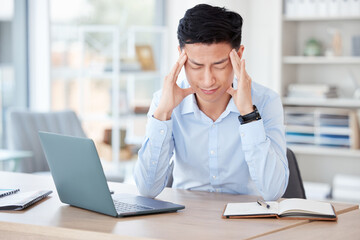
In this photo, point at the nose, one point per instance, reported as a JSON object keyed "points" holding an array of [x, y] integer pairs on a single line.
{"points": [[209, 78]]}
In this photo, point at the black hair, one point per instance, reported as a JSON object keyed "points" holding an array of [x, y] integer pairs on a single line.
{"points": [[209, 24]]}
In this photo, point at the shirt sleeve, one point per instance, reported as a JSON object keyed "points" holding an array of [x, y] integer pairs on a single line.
{"points": [[264, 146], [152, 168]]}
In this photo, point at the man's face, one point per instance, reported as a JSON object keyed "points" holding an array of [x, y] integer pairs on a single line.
{"points": [[209, 70]]}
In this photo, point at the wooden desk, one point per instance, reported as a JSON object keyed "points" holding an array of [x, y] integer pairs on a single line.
{"points": [[346, 227], [201, 219]]}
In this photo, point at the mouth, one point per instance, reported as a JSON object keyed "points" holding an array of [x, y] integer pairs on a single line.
{"points": [[211, 91]]}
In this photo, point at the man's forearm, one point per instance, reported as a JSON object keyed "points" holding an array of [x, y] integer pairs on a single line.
{"points": [[153, 161]]}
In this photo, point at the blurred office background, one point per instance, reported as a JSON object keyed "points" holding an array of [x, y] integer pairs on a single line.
{"points": [[104, 59]]}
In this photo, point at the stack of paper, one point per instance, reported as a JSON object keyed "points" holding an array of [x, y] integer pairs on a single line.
{"points": [[299, 127], [312, 91], [334, 130]]}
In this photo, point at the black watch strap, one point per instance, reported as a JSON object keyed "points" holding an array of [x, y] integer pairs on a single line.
{"points": [[253, 116]]}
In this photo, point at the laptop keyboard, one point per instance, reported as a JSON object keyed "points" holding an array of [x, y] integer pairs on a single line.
{"points": [[122, 207]]}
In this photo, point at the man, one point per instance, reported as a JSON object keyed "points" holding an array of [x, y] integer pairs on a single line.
{"points": [[227, 133]]}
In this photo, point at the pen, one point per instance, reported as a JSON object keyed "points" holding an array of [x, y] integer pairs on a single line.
{"points": [[262, 203]]}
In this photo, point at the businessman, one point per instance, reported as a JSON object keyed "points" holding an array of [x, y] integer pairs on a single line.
{"points": [[224, 131]]}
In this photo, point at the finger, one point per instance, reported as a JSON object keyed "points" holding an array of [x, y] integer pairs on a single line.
{"points": [[188, 91], [176, 65], [243, 71], [181, 64], [234, 63], [231, 91], [236, 57]]}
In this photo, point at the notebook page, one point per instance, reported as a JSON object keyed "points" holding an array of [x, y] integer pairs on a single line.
{"points": [[17, 198], [305, 206], [250, 208]]}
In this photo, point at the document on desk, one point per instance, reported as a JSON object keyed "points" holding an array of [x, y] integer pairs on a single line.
{"points": [[293, 208], [21, 200]]}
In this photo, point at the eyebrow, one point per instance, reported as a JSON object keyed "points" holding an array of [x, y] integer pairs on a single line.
{"points": [[200, 64]]}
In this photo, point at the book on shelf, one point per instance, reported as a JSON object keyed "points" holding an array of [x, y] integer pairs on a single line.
{"points": [[324, 127], [299, 118], [334, 140], [292, 208], [312, 91], [300, 138]]}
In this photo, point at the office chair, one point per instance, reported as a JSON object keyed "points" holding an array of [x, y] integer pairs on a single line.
{"points": [[295, 188], [22, 134]]}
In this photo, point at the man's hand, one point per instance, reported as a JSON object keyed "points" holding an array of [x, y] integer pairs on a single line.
{"points": [[242, 95], [172, 94]]}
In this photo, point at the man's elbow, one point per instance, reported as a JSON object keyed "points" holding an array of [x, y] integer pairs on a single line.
{"points": [[274, 192], [146, 190], [270, 196]]}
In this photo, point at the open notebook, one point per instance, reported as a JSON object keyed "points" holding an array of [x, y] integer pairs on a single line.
{"points": [[289, 208], [22, 200]]}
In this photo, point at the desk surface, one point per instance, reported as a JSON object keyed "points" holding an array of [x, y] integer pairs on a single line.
{"points": [[200, 218], [346, 227]]}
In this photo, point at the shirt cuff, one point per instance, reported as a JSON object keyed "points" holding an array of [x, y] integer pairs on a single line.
{"points": [[158, 131], [252, 133]]}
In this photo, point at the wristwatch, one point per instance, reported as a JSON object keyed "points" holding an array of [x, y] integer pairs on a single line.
{"points": [[253, 116]]}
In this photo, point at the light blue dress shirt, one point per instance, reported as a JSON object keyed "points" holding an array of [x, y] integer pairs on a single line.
{"points": [[221, 156]]}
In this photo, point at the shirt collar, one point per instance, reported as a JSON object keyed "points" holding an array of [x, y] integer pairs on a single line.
{"points": [[189, 105]]}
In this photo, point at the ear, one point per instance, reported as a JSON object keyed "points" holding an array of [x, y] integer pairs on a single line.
{"points": [[241, 51], [179, 49]]}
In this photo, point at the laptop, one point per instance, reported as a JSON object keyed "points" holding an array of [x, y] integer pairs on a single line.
{"points": [[80, 181]]}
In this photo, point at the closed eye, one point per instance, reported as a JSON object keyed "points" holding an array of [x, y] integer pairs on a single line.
{"points": [[194, 66], [221, 66]]}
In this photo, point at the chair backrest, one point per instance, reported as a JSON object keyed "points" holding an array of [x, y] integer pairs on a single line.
{"points": [[22, 133], [295, 188]]}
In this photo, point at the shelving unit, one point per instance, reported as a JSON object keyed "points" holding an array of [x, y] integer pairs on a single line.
{"points": [[319, 145], [100, 50], [119, 119], [332, 70]]}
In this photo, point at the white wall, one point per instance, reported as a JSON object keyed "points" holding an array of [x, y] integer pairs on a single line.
{"points": [[261, 34], [265, 46]]}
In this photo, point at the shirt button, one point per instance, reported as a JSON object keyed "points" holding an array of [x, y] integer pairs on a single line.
{"points": [[214, 177], [212, 152], [162, 131], [153, 163], [213, 125], [242, 134]]}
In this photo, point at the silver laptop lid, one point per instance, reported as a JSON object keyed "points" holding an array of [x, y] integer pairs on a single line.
{"points": [[77, 172]]}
